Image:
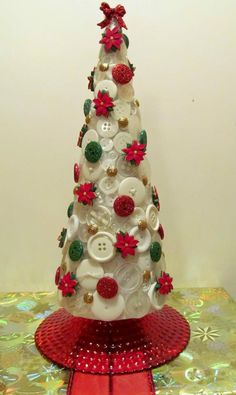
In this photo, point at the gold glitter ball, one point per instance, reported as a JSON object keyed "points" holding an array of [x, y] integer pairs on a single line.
{"points": [[136, 102], [92, 229], [142, 225], [123, 122], [88, 119], [144, 180], [88, 298], [112, 171], [103, 66], [146, 276]]}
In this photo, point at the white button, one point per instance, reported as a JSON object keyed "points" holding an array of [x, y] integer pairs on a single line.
{"points": [[112, 155], [88, 273], [133, 187], [137, 216], [137, 304], [128, 276], [83, 233], [108, 86], [106, 144], [144, 261], [82, 213], [99, 199], [121, 109], [109, 200], [125, 168], [107, 309], [73, 226], [109, 185], [157, 300], [99, 216], [108, 73], [144, 238], [90, 135], [121, 140], [101, 247], [91, 171], [126, 92], [152, 217], [107, 127]]}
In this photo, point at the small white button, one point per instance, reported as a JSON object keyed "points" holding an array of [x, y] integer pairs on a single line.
{"points": [[152, 217], [90, 135], [121, 140], [99, 216], [73, 226], [137, 304], [88, 273], [133, 187], [91, 171], [121, 109], [106, 144], [108, 86], [83, 233], [108, 185], [101, 247], [157, 300], [107, 309], [144, 238], [128, 276], [107, 127], [126, 92], [125, 168], [137, 216]]}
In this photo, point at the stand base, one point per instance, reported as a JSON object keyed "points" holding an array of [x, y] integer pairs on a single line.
{"points": [[124, 346]]}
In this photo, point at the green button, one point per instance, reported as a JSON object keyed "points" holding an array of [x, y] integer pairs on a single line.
{"points": [[93, 151], [70, 210], [126, 40], [76, 250], [87, 106], [155, 251], [143, 137]]}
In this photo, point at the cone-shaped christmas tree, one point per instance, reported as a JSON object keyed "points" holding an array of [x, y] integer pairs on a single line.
{"points": [[113, 265]]}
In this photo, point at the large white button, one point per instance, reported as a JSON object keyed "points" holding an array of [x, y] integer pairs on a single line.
{"points": [[91, 171], [108, 185], [121, 109], [107, 127], [152, 217], [90, 135], [128, 276], [137, 216], [108, 86], [99, 216], [101, 247], [157, 300], [126, 92], [137, 304], [125, 168], [133, 187], [107, 309], [121, 140], [106, 144], [88, 274], [144, 238], [73, 226]]}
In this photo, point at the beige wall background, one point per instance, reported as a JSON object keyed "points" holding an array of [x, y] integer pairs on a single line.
{"points": [[185, 54]]}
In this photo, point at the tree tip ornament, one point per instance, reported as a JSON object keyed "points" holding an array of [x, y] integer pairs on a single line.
{"points": [[117, 13]]}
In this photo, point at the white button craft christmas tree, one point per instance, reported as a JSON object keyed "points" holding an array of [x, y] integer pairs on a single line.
{"points": [[113, 265]]}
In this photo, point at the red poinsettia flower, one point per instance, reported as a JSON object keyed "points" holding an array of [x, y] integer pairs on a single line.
{"points": [[164, 284], [135, 152], [126, 244], [67, 284], [86, 193], [103, 104], [112, 39]]}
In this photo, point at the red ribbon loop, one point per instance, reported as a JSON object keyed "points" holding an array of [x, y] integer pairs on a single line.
{"points": [[117, 13]]}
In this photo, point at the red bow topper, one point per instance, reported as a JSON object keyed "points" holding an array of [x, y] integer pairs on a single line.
{"points": [[117, 13]]}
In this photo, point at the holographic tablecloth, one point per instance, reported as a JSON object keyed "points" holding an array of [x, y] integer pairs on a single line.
{"points": [[207, 366]]}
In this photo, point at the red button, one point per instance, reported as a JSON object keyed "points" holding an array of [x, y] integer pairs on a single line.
{"points": [[123, 205], [76, 172], [107, 287], [161, 232], [57, 275], [122, 74]]}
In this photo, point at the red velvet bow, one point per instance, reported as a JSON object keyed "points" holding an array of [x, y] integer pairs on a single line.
{"points": [[117, 13]]}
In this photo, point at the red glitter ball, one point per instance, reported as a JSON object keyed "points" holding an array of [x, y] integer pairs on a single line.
{"points": [[161, 232], [122, 74], [107, 287], [123, 205], [57, 275], [76, 172]]}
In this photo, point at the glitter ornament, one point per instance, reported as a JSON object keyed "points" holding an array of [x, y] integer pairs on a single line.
{"points": [[123, 205], [107, 287], [122, 74]]}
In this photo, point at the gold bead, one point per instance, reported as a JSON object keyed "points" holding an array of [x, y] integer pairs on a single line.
{"points": [[87, 119], [88, 298], [144, 180], [136, 102], [103, 66], [123, 122], [146, 276], [142, 225], [92, 229], [112, 171]]}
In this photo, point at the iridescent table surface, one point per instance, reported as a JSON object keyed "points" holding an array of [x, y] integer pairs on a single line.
{"points": [[207, 366]]}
